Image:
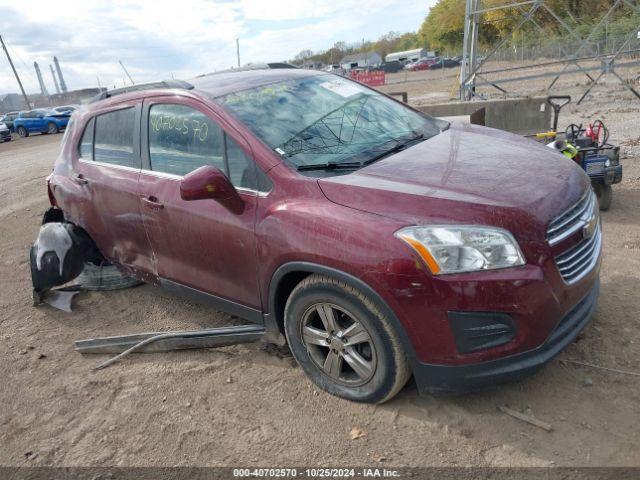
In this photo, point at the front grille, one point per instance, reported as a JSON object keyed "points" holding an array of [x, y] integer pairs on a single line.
{"points": [[572, 220], [579, 260]]}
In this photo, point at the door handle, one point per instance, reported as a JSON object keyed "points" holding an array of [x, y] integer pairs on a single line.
{"points": [[152, 202], [80, 179]]}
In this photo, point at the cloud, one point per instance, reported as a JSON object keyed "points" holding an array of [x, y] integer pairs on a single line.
{"points": [[160, 38]]}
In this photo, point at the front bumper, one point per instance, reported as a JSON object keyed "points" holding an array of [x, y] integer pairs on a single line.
{"points": [[445, 379], [5, 135]]}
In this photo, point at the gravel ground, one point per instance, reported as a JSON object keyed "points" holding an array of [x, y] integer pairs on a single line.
{"points": [[251, 405]]}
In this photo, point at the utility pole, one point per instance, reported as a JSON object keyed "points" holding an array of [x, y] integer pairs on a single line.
{"points": [[4, 47], [125, 71], [238, 50]]}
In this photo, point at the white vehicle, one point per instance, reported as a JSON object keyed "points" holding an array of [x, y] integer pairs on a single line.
{"points": [[5, 133], [332, 68]]}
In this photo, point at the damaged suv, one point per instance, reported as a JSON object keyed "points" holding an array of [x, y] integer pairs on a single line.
{"points": [[381, 242]]}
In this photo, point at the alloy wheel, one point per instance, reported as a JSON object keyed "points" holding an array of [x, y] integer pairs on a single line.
{"points": [[338, 344], [52, 128]]}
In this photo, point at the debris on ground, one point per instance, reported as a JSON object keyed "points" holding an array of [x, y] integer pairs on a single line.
{"points": [[356, 433], [526, 418], [608, 369]]}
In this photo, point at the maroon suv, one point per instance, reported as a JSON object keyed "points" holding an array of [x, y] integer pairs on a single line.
{"points": [[382, 242]]}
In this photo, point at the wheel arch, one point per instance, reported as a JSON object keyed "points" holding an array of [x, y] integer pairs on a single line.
{"points": [[288, 275]]}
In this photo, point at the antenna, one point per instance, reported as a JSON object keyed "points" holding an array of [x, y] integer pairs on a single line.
{"points": [[125, 71]]}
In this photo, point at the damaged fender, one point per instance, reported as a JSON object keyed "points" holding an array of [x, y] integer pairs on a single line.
{"points": [[58, 256]]}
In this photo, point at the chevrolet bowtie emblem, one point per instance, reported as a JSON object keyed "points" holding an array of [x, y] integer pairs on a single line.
{"points": [[591, 224]]}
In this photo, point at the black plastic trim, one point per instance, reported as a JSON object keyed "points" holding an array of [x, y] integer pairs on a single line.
{"points": [[455, 379], [475, 331], [181, 84], [272, 323], [188, 293]]}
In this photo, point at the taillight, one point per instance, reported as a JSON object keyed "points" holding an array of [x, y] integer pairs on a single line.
{"points": [[52, 199]]}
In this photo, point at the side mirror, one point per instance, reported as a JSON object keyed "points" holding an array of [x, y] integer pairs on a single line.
{"points": [[209, 182]]}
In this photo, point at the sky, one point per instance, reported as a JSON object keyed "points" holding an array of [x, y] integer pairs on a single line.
{"points": [[162, 39]]}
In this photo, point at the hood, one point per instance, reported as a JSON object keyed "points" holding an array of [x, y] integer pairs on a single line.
{"points": [[468, 174]]}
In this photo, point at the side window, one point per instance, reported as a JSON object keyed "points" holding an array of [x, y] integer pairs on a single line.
{"points": [[85, 149], [182, 139], [114, 137], [243, 172]]}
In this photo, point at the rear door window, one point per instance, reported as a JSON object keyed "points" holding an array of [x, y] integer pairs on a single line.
{"points": [[85, 149], [114, 137]]}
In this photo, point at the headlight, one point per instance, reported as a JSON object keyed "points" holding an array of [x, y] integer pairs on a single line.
{"points": [[455, 249]]}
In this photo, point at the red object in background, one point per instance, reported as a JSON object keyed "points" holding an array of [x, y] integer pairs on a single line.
{"points": [[423, 64], [373, 79]]}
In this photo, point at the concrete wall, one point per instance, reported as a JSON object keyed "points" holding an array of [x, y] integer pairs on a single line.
{"points": [[524, 116]]}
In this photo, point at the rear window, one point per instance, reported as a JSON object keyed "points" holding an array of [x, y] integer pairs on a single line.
{"points": [[113, 137], [85, 149]]}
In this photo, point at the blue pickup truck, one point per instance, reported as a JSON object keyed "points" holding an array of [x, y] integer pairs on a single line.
{"points": [[40, 121]]}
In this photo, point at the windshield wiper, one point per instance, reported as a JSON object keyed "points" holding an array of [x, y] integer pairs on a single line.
{"points": [[330, 166], [396, 148]]}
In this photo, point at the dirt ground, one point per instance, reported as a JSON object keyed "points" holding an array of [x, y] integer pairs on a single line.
{"points": [[248, 405]]}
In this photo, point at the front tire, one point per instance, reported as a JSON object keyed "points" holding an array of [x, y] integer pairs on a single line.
{"points": [[23, 132], [52, 128], [343, 341]]}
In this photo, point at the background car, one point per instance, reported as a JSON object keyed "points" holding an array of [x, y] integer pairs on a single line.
{"points": [[5, 134], [65, 108], [40, 121], [391, 67], [423, 64], [8, 119], [444, 63]]}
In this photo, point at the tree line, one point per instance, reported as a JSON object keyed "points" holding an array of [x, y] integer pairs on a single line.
{"points": [[443, 28]]}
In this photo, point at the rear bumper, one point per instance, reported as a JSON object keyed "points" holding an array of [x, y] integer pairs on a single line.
{"points": [[445, 379]]}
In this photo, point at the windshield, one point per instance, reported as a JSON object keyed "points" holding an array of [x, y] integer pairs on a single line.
{"points": [[326, 119]]}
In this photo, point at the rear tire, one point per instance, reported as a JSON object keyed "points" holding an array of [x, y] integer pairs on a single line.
{"points": [[343, 341], [23, 132], [52, 128], [604, 194]]}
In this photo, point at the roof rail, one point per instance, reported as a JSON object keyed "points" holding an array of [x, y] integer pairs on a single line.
{"points": [[142, 86]]}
